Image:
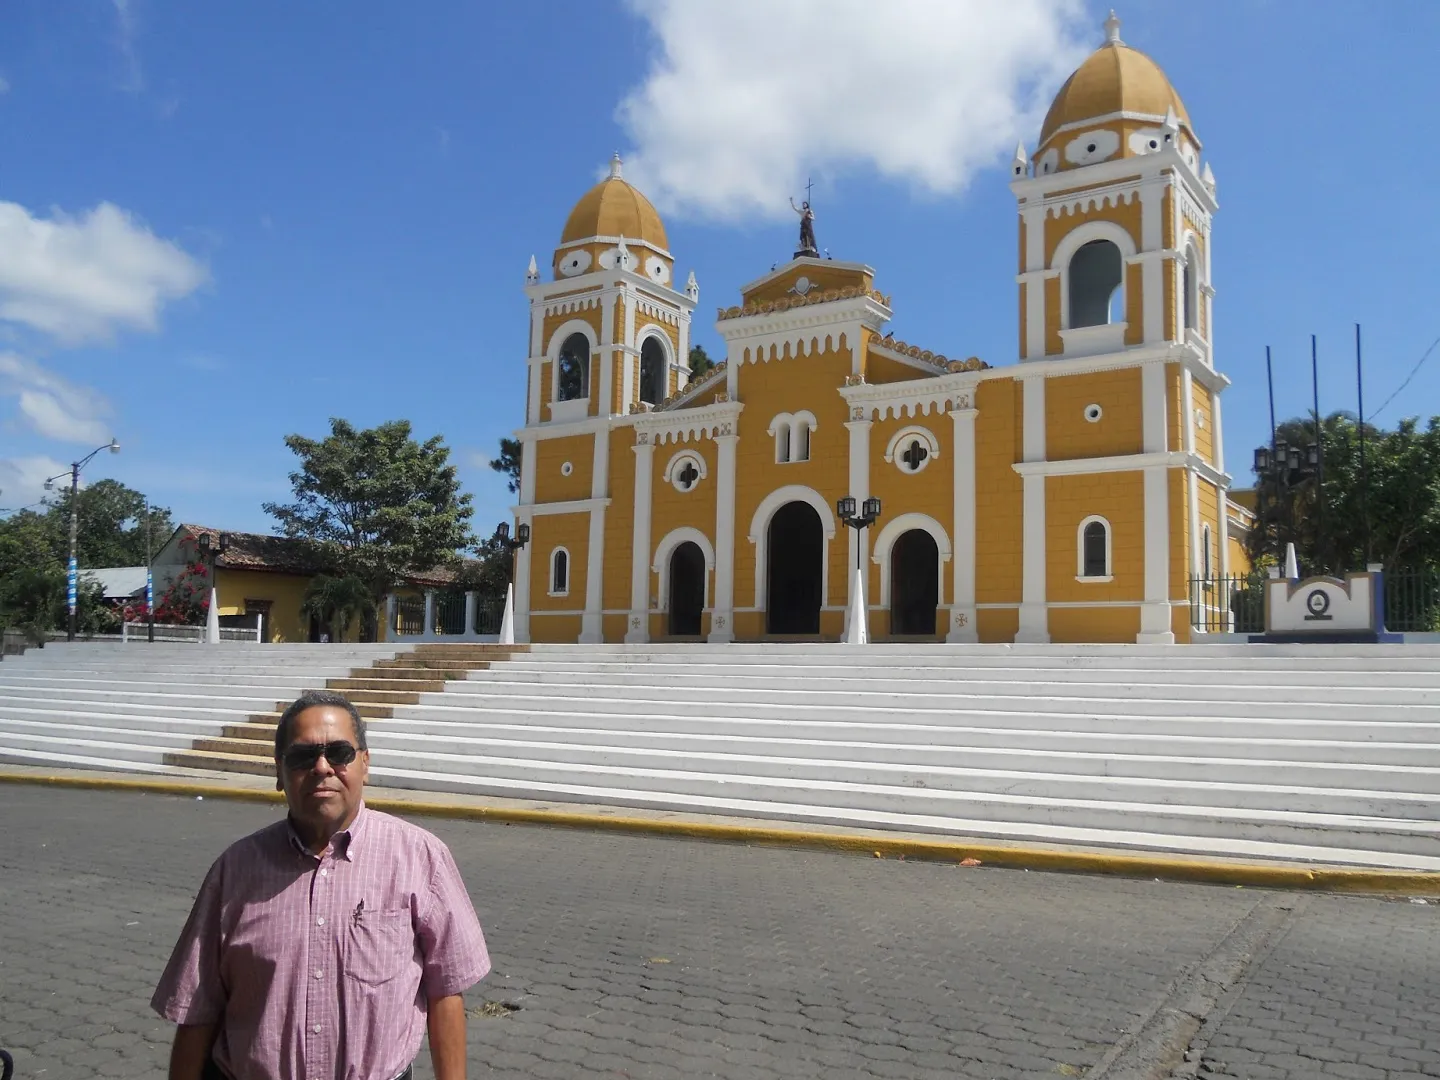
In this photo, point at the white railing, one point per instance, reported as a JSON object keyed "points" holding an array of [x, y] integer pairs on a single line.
{"points": [[140, 632]]}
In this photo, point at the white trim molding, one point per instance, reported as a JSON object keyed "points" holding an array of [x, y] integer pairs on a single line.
{"points": [[570, 506], [885, 542]]}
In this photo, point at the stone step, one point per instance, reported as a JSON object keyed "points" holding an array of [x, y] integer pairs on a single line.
{"points": [[349, 686], [659, 687], [897, 742], [220, 762], [687, 789], [723, 701], [243, 747], [417, 663], [1419, 733]]}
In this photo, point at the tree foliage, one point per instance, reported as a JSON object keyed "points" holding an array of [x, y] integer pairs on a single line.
{"points": [[337, 603], [508, 463], [1386, 512], [700, 362], [375, 503]]}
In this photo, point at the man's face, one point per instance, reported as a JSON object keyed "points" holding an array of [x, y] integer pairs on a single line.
{"points": [[325, 796]]}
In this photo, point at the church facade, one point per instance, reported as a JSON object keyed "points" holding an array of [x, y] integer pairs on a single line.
{"points": [[1069, 496]]}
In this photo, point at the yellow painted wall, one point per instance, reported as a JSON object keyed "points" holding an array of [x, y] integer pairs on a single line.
{"points": [[998, 496], [806, 382], [883, 369], [1204, 434], [1174, 408], [1126, 215], [1054, 343], [551, 485], [1134, 304], [930, 491], [554, 628], [821, 277], [997, 624], [1118, 431], [547, 532], [1112, 624], [1069, 500], [284, 591], [1179, 534]]}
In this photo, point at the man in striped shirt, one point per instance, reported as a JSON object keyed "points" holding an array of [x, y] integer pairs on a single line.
{"points": [[326, 945]]}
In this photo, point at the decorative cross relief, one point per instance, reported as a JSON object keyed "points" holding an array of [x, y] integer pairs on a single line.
{"points": [[688, 475], [915, 455]]}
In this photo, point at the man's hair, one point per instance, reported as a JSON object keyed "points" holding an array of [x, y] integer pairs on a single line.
{"points": [[311, 699]]}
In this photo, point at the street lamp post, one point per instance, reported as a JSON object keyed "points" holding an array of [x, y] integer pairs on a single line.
{"points": [[503, 538], [857, 633], [213, 548], [1286, 468], [73, 575]]}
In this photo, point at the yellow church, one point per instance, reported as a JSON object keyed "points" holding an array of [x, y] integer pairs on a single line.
{"points": [[1070, 496]]}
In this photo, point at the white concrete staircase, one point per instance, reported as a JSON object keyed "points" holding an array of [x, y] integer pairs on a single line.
{"points": [[1318, 752], [1328, 753], [142, 707]]}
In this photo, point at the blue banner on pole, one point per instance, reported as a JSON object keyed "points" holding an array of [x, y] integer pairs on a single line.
{"points": [[149, 592], [74, 581]]}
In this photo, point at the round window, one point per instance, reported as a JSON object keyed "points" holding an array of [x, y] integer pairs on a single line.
{"points": [[566, 469], [1093, 413]]}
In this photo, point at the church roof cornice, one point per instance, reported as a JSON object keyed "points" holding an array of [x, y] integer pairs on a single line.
{"points": [[805, 260]]}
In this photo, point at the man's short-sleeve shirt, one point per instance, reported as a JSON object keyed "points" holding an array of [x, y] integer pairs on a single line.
{"points": [[319, 968]]}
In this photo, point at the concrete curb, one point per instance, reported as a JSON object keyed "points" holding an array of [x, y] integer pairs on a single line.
{"points": [[988, 853]]}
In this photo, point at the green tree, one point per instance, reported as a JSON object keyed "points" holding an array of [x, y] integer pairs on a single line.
{"points": [[508, 463], [376, 504], [1387, 511], [34, 599], [490, 572], [700, 362], [111, 530]]}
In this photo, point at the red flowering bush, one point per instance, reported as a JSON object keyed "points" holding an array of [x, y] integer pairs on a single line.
{"points": [[187, 601]]}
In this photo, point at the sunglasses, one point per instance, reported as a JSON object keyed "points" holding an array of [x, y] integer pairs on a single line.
{"points": [[304, 755]]}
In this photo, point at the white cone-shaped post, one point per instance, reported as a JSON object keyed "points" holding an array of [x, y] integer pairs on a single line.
{"points": [[507, 621], [1292, 567], [857, 633], [212, 619]]}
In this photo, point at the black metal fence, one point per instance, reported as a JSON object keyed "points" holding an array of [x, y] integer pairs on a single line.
{"points": [[449, 614], [1230, 604], [410, 617], [1235, 604]]}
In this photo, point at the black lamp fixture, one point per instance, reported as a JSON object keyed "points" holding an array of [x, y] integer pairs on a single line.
{"points": [[522, 536], [870, 511]]}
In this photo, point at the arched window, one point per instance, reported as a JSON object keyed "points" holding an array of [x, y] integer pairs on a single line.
{"points": [[1097, 290], [653, 371], [1190, 292], [1094, 549], [573, 369], [800, 441], [559, 572]]}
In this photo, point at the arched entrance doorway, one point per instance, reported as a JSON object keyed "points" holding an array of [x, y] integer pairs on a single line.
{"points": [[794, 554], [914, 583], [687, 589]]}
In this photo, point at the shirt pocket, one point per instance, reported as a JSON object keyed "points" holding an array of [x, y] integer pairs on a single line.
{"points": [[378, 945]]}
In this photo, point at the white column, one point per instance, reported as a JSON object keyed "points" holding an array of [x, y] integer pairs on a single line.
{"points": [[603, 388], [962, 598], [1217, 433], [860, 489], [1152, 241], [1034, 622], [1155, 611], [528, 453], [638, 631], [537, 324], [429, 630], [1192, 484], [591, 632], [682, 359], [1033, 347], [470, 607], [722, 612]]}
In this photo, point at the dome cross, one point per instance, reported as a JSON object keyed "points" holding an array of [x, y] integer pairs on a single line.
{"points": [[1112, 29]]}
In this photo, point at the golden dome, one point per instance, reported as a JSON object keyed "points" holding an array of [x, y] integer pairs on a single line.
{"points": [[1116, 78], [614, 208]]}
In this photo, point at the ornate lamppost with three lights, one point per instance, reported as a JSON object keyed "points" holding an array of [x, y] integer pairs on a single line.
{"points": [[857, 633], [512, 545]]}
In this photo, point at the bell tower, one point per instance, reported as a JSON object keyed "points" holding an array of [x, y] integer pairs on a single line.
{"points": [[1114, 215], [609, 334]]}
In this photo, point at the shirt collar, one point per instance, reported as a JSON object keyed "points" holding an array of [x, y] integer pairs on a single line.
{"points": [[342, 843]]}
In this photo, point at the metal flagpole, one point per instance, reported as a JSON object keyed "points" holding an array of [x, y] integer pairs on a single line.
{"points": [[1364, 474], [1319, 452]]}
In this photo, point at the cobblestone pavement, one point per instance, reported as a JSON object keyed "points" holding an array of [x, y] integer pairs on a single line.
{"points": [[622, 956]]}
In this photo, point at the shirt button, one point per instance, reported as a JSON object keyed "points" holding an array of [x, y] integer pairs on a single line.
{"points": [[320, 921], [316, 1029], [319, 974], [324, 873]]}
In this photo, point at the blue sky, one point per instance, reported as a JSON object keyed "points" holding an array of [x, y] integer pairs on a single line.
{"points": [[220, 224]]}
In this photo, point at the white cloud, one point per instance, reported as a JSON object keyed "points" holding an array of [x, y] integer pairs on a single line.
{"points": [[125, 29], [53, 406], [4, 85], [82, 278], [747, 97], [22, 480]]}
